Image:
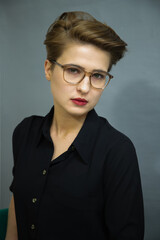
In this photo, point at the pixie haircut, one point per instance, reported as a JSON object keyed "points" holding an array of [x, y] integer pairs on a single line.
{"points": [[81, 27]]}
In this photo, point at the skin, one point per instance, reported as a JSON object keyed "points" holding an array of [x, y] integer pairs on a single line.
{"points": [[68, 117], [11, 225], [88, 56]]}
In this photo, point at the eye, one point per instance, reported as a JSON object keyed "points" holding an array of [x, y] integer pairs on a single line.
{"points": [[98, 76], [73, 70]]}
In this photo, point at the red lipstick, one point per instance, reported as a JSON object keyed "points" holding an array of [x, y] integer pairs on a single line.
{"points": [[79, 101]]}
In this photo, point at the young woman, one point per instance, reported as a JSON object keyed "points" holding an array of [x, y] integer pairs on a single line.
{"points": [[75, 176]]}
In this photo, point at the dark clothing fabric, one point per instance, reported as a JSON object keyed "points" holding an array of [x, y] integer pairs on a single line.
{"points": [[91, 191]]}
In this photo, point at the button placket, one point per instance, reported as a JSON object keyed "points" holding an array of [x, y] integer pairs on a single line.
{"points": [[33, 227], [34, 200], [44, 172], [72, 148]]}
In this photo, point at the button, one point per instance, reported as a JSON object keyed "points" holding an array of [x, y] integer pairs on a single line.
{"points": [[73, 148], [33, 227], [34, 200], [44, 172]]}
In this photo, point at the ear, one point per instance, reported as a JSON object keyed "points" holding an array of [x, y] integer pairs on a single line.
{"points": [[47, 68]]}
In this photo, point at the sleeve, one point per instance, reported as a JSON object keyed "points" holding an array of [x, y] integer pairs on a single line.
{"points": [[14, 150], [124, 212], [17, 137]]}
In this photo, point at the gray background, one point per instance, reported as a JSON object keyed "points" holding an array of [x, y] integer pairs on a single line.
{"points": [[130, 102]]}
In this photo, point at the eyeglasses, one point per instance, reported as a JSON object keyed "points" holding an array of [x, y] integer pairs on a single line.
{"points": [[74, 74]]}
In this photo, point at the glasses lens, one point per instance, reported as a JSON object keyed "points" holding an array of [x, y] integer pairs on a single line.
{"points": [[99, 80], [73, 74]]}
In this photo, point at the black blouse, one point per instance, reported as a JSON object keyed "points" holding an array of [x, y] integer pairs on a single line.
{"points": [[91, 191]]}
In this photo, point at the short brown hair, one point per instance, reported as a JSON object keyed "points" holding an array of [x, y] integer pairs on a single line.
{"points": [[82, 27]]}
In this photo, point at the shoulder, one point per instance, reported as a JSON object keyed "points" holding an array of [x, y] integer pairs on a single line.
{"points": [[118, 152], [111, 134], [29, 124], [115, 143]]}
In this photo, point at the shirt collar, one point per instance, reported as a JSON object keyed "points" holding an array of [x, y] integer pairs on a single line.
{"points": [[44, 131], [85, 140]]}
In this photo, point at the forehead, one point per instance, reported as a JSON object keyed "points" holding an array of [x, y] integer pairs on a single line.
{"points": [[86, 55]]}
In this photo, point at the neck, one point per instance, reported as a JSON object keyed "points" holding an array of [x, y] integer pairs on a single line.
{"points": [[64, 124]]}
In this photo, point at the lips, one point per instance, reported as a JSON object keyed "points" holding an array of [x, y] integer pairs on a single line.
{"points": [[79, 101]]}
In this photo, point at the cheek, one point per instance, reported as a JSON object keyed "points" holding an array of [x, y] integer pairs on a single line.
{"points": [[97, 95], [56, 82], [60, 88]]}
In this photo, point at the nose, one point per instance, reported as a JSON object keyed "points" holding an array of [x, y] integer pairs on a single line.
{"points": [[84, 85]]}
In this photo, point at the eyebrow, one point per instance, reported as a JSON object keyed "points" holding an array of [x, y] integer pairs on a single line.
{"points": [[94, 70]]}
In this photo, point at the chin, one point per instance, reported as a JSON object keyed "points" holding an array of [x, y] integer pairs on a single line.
{"points": [[79, 112]]}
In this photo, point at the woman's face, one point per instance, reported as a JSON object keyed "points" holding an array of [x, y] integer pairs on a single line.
{"points": [[64, 94]]}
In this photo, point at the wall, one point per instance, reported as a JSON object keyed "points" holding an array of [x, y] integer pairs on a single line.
{"points": [[130, 102]]}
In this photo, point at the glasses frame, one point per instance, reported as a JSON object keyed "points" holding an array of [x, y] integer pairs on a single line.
{"points": [[89, 74]]}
